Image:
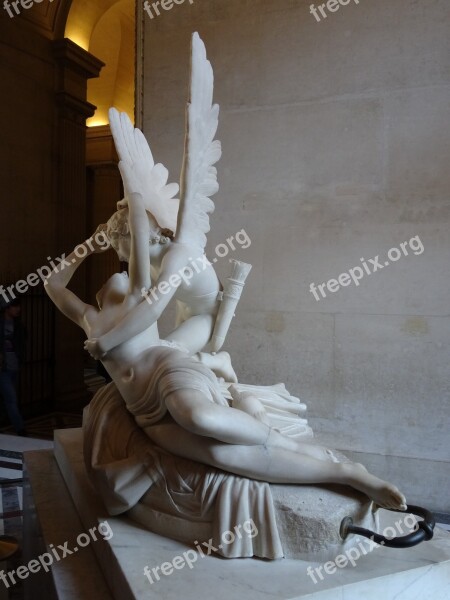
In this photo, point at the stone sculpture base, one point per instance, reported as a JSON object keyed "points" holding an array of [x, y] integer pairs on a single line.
{"points": [[308, 521], [422, 572]]}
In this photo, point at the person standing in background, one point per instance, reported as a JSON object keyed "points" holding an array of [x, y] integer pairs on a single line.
{"points": [[12, 354]]}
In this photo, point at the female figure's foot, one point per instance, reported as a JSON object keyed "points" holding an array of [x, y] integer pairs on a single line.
{"points": [[381, 492]]}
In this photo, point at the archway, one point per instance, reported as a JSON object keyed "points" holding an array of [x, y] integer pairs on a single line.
{"points": [[106, 29]]}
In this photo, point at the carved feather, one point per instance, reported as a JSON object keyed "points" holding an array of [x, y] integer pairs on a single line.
{"points": [[199, 176], [151, 178]]}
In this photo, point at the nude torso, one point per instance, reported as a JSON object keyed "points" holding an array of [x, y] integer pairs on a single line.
{"points": [[121, 362], [198, 294]]}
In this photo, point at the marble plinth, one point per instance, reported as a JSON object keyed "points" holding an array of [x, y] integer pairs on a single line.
{"points": [[421, 573]]}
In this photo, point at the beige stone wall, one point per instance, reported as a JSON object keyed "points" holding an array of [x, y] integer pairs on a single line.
{"points": [[336, 146]]}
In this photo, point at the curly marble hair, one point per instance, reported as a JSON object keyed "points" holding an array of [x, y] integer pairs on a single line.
{"points": [[117, 226]]}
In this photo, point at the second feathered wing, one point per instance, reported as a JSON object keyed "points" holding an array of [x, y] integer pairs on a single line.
{"points": [[149, 179], [202, 151]]}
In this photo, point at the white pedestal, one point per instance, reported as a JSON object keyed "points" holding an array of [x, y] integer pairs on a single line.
{"points": [[422, 572]]}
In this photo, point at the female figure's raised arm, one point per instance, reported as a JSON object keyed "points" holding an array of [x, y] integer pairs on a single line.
{"points": [[139, 263], [56, 287], [147, 312]]}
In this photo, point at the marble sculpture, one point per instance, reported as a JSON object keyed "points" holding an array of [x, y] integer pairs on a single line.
{"points": [[175, 421]]}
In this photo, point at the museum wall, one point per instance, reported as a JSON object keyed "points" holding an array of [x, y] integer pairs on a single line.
{"points": [[335, 149]]}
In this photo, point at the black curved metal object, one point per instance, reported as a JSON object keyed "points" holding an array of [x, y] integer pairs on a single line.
{"points": [[425, 530]]}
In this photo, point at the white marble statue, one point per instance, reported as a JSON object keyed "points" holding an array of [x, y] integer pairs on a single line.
{"points": [[174, 397], [179, 266], [177, 401]]}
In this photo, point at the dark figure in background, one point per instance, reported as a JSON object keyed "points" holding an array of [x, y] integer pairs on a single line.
{"points": [[12, 352]]}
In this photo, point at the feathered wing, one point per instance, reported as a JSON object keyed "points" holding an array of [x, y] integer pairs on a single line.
{"points": [[150, 178], [199, 176]]}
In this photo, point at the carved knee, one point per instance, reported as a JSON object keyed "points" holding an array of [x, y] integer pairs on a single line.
{"points": [[201, 420], [194, 415]]}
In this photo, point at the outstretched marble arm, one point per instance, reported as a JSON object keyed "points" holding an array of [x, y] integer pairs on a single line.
{"points": [[56, 286], [139, 265], [149, 310]]}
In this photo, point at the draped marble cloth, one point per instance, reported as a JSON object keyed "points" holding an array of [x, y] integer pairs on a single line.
{"points": [[170, 371], [130, 472], [123, 464]]}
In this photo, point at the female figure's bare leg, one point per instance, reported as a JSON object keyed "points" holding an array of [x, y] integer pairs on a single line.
{"points": [[249, 403], [194, 412], [272, 464]]}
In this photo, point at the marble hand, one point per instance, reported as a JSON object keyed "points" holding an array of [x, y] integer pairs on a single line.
{"points": [[93, 347], [97, 247]]}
